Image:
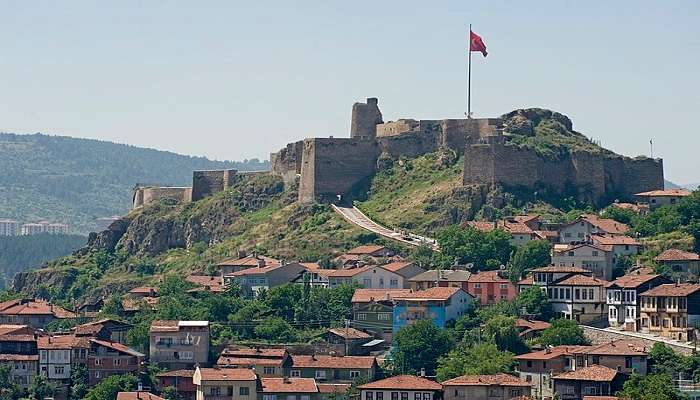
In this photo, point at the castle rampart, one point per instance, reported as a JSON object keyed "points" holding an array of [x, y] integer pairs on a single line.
{"points": [[364, 119], [149, 194], [206, 183]]}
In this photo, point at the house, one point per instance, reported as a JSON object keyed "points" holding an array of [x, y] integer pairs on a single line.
{"points": [[57, 355], [140, 395], [245, 261], [520, 233], [658, 198], [572, 291], [671, 310], [334, 369], [438, 304], [105, 329], [225, 383], [622, 298], [490, 287], [401, 387], [314, 275], [366, 254], [266, 361], [538, 367], [405, 269], [19, 352], [369, 276], [205, 283], [288, 389], [486, 387], [589, 224], [679, 261], [35, 313], [530, 328], [441, 278], [595, 258], [622, 246], [595, 380], [179, 344], [252, 280], [181, 380], [372, 310], [132, 305], [144, 291], [625, 356], [348, 341], [107, 358]]}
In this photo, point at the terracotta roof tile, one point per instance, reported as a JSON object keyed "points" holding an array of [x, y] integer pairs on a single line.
{"points": [[621, 347], [175, 326], [486, 380], [33, 307], [8, 329], [333, 362], [368, 295], [434, 293], [206, 282], [528, 280], [349, 333], [347, 273], [181, 373], [227, 374], [677, 255], [333, 387], [249, 261], [596, 373], [255, 352], [396, 266], [673, 290], [564, 270], [488, 277], [665, 192], [288, 385], [366, 249], [406, 382], [144, 290], [227, 361], [137, 396], [615, 240], [551, 353], [533, 325], [631, 281], [446, 275], [607, 225], [581, 280], [19, 357], [118, 347]]}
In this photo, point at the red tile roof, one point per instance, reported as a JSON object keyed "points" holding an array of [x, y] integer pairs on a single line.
{"points": [[488, 277], [486, 380], [581, 280], [551, 353], [227, 361], [396, 266], [288, 385], [367, 249], [631, 281], [255, 270], [604, 224], [512, 227], [175, 326], [665, 192], [19, 357], [529, 326], [620, 347], [255, 352], [8, 329], [434, 293], [137, 396], [333, 387], [615, 240], [118, 347], [349, 333], [405, 382], [144, 290], [597, 373], [249, 261], [33, 307], [181, 373], [348, 273], [677, 255], [62, 342], [206, 283], [368, 295], [333, 362], [227, 374], [564, 270], [673, 290]]}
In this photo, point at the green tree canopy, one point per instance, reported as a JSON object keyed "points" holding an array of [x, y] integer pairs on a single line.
{"points": [[534, 302], [650, 387], [110, 386], [501, 331], [480, 359], [419, 345], [487, 250], [533, 254], [563, 332]]}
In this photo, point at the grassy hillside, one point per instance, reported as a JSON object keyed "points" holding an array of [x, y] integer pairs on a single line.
{"points": [[72, 181]]}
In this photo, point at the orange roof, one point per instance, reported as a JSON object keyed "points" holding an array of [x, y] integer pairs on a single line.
{"points": [[487, 276], [19, 357], [486, 380], [137, 396], [533, 325], [620, 347], [8, 329], [512, 227], [182, 373], [256, 352], [349, 333], [632, 280], [581, 280], [406, 382], [349, 272], [615, 240], [673, 290], [255, 270], [446, 275], [607, 225], [333, 362], [227, 374], [366, 249], [206, 282], [547, 234], [562, 248], [665, 192], [597, 373], [249, 261], [225, 361], [60, 342], [564, 269], [144, 290], [368, 295], [118, 347], [311, 266], [528, 280], [526, 218], [288, 385], [33, 307], [677, 255], [175, 326], [434, 293], [397, 266], [551, 353], [333, 387]]}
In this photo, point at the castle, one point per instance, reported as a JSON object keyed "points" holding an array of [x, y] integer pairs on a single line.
{"points": [[337, 169]]}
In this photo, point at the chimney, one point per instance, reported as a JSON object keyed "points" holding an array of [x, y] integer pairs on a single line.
{"points": [[422, 372], [261, 263], [286, 379], [140, 386], [313, 356]]}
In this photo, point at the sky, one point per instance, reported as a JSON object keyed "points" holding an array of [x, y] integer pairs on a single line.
{"points": [[234, 80]]}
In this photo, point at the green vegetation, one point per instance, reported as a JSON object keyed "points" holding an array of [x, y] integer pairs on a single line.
{"points": [[480, 359], [563, 331], [73, 181], [533, 254], [109, 387], [486, 250], [418, 346]]}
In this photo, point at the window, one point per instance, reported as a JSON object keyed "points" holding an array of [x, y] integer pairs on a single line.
{"points": [[585, 295], [243, 391], [367, 283], [571, 254], [529, 363], [354, 374], [504, 286], [117, 362], [577, 294], [590, 294], [98, 375], [369, 395], [320, 374], [477, 286], [268, 370], [416, 396], [596, 360], [594, 253], [295, 373], [426, 396], [394, 283], [361, 316], [394, 395], [569, 390], [269, 397], [528, 378], [383, 317], [404, 395], [380, 395], [98, 361], [567, 234], [304, 397], [628, 362], [216, 391], [186, 355]]}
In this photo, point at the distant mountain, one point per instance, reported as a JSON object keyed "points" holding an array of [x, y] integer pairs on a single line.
{"points": [[670, 185], [74, 181]]}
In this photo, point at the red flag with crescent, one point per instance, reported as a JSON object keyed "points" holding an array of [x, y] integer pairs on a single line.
{"points": [[476, 44]]}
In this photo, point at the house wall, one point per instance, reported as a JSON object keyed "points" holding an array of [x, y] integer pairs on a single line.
{"points": [[595, 260], [490, 392], [386, 394], [163, 353], [206, 389]]}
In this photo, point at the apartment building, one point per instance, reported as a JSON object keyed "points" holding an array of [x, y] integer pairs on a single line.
{"points": [[8, 227], [179, 344], [486, 387], [623, 298], [225, 384], [671, 310], [438, 304]]}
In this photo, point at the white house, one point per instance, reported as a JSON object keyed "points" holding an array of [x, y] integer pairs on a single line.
{"points": [[587, 225]]}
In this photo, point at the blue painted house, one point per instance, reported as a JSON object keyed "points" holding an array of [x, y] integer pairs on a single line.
{"points": [[439, 304]]}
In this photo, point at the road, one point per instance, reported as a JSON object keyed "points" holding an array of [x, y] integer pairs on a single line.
{"points": [[356, 217]]}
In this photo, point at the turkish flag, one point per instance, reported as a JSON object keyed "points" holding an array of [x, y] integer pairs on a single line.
{"points": [[476, 44]]}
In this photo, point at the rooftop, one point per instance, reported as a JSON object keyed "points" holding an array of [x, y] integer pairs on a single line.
{"points": [[434, 293], [445, 275], [368, 295], [677, 255], [181, 373], [673, 290], [333, 387], [288, 385], [597, 373], [488, 276], [631, 281], [255, 352], [397, 266], [486, 380], [405, 382], [550, 353], [138, 396], [604, 224], [564, 270], [620, 347], [227, 374], [349, 272], [349, 333], [581, 280], [366, 249], [206, 282], [249, 261], [33, 307], [615, 240], [116, 346], [333, 362], [665, 192], [175, 326]]}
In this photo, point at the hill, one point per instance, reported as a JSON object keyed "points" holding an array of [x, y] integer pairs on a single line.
{"points": [[73, 181]]}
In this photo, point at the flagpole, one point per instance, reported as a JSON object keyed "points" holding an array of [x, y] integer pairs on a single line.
{"points": [[469, 76]]}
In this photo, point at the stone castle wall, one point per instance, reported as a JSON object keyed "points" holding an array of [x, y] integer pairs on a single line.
{"points": [[146, 195], [206, 183], [286, 163], [595, 178]]}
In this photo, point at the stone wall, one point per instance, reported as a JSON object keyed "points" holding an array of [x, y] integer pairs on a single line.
{"points": [[146, 195], [287, 162], [334, 166], [595, 178], [600, 336], [364, 119], [206, 183]]}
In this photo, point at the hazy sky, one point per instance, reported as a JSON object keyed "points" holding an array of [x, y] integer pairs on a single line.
{"points": [[234, 80]]}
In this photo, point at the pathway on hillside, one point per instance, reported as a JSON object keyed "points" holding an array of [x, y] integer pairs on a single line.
{"points": [[357, 217]]}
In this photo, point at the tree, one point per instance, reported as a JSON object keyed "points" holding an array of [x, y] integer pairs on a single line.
{"points": [[282, 300], [533, 254], [8, 389], [79, 382], [469, 245], [419, 346], [650, 387], [501, 331], [41, 388], [276, 329], [480, 359], [664, 360], [534, 302], [622, 215], [109, 387], [563, 332], [170, 393]]}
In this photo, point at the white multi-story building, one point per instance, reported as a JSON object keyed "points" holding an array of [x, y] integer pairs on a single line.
{"points": [[595, 258], [8, 227], [623, 299], [33, 229]]}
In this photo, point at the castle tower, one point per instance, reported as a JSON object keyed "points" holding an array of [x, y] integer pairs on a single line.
{"points": [[364, 120]]}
